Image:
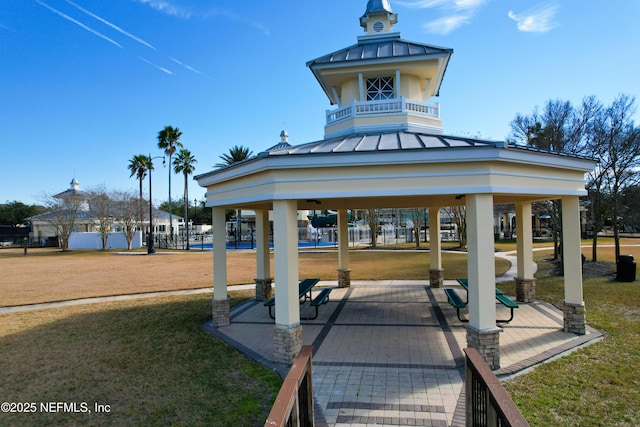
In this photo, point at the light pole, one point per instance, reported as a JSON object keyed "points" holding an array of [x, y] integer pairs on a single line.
{"points": [[150, 247]]}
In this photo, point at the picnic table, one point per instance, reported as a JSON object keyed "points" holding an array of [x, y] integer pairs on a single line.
{"points": [[455, 300], [305, 287]]}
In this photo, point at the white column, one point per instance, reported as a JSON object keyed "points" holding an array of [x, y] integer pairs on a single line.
{"points": [[285, 245], [287, 332], [219, 255], [262, 244], [344, 273], [482, 332], [263, 267], [525, 282], [571, 250], [481, 263], [574, 310], [525, 240], [220, 303], [435, 249]]}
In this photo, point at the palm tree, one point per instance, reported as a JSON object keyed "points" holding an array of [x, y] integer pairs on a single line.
{"points": [[236, 154], [139, 165], [169, 141], [184, 162]]}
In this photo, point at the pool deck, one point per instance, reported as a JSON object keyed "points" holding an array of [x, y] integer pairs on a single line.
{"points": [[389, 352]]}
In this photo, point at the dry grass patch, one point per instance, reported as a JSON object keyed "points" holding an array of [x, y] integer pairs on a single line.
{"points": [[46, 275]]}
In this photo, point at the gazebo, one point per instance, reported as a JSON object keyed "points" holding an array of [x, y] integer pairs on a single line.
{"points": [[384, 148]]}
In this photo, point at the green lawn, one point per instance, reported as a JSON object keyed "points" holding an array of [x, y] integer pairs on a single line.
{"points": [[153, 364], [600, 384], [149, 360]]}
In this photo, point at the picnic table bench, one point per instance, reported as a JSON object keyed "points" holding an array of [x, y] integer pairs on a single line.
{"points": [[455, 300], [304, 293]]}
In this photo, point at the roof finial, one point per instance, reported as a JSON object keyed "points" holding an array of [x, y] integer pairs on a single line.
{"points": [[379, 17]]}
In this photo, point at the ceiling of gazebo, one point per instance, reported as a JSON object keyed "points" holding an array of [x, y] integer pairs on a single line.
{"points": [[393, 170]]}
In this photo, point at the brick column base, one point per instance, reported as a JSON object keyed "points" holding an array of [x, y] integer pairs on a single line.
{"points": [[487, 342], [287, 342], [344, 278], [436, 277], [220, 312], [525, 290], [575, 319], [264, 291]]}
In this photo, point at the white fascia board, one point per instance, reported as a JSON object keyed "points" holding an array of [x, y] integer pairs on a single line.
{"points": [[399, 157]]}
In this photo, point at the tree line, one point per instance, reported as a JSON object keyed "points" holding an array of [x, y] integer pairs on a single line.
{"points": [[606, 133]]}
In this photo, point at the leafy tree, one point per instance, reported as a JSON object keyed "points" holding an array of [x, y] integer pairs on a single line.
{"points": [[185, 163], [169, 141], [236, 154], [15, 213], [139, 165]]}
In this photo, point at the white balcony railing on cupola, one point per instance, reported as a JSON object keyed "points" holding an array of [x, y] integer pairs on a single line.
{"points": [[401, 105]]}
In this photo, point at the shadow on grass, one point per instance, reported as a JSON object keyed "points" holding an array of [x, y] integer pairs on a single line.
{"points": [[148, 360]]}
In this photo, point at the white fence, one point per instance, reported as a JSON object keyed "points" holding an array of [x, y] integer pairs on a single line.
{"points": [[116, 240]]}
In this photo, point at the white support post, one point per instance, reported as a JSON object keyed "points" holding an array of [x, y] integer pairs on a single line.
{"points": [[220, 304], [263, 267], [436, 274], [574, 310], [482, 333], [525, 282], [398, 85], [361, 87], [287, 332], [344, 273]]}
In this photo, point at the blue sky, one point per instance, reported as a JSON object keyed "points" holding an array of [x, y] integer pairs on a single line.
{"points": [[87, 84]]}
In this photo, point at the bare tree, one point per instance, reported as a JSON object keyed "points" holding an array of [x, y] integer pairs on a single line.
{"points": [[419, 219], [615, 142], [61, 214], [126, 205], [459, 216], [103, 209], [372, 218], [559, 128]]}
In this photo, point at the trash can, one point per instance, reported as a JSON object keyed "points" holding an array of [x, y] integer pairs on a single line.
{"points": [[626, 269]]}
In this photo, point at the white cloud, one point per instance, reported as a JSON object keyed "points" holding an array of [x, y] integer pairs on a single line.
{"points": [[422, 4], [115, 27], [167, 8], [78, 23], [539, 20], [456, 13], [469, 4], [447, 24]]}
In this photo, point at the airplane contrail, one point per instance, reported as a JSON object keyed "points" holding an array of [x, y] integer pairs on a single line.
{"points": [[188, 67], [115, 27], [80, 24], [164, 70]]}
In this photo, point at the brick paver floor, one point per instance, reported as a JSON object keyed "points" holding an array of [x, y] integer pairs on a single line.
{"points": [[389, 353]]}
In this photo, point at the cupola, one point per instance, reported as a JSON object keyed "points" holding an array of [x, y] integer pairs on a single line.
{"points": [[382, 83], [378, 18]]}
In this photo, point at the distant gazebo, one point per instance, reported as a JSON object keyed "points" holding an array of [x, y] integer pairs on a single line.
{"points": [[384, 147]]}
